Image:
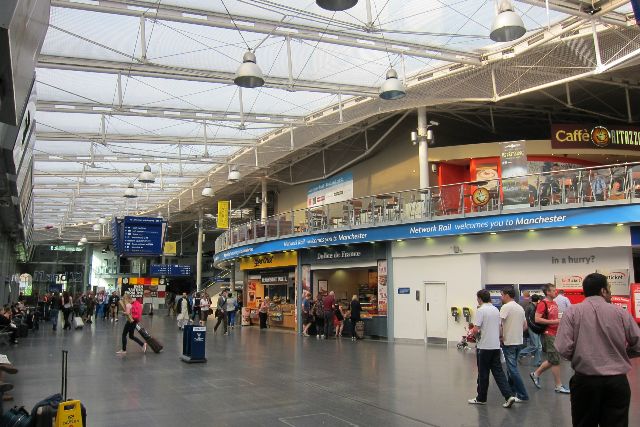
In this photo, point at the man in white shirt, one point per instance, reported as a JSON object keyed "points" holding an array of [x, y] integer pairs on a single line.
{"points": [[487, 323], [514, 323], [562, 301]]}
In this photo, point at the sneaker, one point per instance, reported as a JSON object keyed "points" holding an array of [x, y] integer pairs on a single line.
{"points": [[562, 390], [226, 333], [535, 379], [518, 400], [317, 337], [121, 352], [509, 402], [144, 347], [475, 401]]}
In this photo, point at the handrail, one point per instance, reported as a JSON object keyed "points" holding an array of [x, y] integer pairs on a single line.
{"points": [[430, 197]]}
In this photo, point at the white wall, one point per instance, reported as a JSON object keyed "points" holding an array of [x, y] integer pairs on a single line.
{"points": [[96, 264], [538, 266], [466, 263], [463, 275]]}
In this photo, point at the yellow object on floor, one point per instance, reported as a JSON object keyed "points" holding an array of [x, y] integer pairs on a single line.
{"points": [[69, 414]]}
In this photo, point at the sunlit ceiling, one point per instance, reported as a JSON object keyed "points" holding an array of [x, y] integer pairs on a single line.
{"points": [[122, 84]]}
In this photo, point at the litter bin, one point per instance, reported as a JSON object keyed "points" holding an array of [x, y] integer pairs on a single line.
{"points": [[193, 344]]}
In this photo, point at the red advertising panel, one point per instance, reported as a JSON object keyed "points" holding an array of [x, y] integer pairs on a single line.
{"points": [[635, 301], [622, 302]]}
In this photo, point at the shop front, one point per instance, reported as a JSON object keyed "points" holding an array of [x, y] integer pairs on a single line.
{"points": [[348, 271], [273, 276]]}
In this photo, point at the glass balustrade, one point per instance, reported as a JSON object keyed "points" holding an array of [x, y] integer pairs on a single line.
{"points": [[602, 185]]}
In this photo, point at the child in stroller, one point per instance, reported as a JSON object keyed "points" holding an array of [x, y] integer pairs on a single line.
{"points": [[467, 338]]}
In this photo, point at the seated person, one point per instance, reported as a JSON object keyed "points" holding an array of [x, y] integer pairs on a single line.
{"points": [[7, 325], [616, 192]]}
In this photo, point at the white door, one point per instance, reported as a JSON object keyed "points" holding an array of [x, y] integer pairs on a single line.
{"points": [[435, 304]]}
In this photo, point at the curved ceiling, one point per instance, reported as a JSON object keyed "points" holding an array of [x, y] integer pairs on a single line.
{"points": [[125, 83]]}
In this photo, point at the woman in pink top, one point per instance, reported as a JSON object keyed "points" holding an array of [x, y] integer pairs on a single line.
{"points": [[133, 313]]}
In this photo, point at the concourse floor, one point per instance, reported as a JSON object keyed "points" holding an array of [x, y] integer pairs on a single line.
{"points": [[273, 378]]}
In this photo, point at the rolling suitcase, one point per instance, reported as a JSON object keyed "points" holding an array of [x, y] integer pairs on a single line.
{"points": [[360, 329], [152, 342], [16, 417], [78, 323]]}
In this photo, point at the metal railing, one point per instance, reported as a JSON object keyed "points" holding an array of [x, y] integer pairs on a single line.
{"points": [[601, 185]]}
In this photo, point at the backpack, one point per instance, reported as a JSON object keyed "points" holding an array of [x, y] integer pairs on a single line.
{"points": [[537, 328], [136, 311]]}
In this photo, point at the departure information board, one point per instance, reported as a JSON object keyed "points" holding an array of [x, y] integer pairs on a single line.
{"points": [[170, 270], [142, 236]]}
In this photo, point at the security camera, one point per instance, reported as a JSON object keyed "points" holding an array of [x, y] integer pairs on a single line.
{"points": [[414, 138], [430, 137], [434, 123]]}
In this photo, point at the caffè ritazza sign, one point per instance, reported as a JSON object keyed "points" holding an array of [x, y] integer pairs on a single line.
{"points": [[595, 137]]}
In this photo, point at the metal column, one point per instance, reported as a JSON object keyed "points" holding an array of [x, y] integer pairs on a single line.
{"points": [[199, 255], [263, 210], [423, 148]]}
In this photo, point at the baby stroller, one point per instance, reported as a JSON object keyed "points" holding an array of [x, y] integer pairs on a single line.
{"points": [[467, 339]]}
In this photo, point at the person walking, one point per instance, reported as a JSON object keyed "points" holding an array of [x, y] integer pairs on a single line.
{"points": [[597, 337], [114, 304], [535, 345], [133, 312], [67, 305], [547, 313], [318, 316], [513, 326], [307, 318], [562, 301], [231, 308], [184, 310], [195, 307], [54, 307], [356, 311], [221, 312], [263, 312], [339, 320], [327, 305], [487, 324], [205, 308]]}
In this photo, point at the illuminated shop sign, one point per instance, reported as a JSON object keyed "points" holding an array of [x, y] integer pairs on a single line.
{"points": [[452, 227], [595, 137]]}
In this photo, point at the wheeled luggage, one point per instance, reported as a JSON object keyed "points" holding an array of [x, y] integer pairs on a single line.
{"points": [[152, 342], [78, 323], [359, 329], [16, 417]]}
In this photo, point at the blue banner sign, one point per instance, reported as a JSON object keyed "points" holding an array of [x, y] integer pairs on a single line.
{"points": [[452, 227], [404, 291], [142, 236], [170, 270]]}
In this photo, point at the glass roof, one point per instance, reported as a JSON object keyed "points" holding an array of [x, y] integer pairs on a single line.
{"points": [[103, 113]]}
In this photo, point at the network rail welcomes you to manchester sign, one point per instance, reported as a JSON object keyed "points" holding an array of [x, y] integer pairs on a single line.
{"points": [[484, 224]]}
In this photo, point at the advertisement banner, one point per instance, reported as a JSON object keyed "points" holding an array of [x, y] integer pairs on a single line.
{"points": [[635, 301], [306, 278], [336, 189], [568, 281], [595, 137], [170, 248], [223, 213], [515, 186], [285, 259], [618, 280], [382, 287]]}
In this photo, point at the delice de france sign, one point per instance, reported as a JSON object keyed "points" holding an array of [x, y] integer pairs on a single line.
{"points": [[452, 227]]}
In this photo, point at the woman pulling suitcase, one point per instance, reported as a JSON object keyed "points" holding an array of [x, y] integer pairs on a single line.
{"points": [[133, 312]]}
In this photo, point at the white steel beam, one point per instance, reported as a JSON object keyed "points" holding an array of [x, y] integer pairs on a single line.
{"points": [[364, 39], [102, 173], [141, 139], [168, 112], [575, 8], [191, 74], [133, 158]]}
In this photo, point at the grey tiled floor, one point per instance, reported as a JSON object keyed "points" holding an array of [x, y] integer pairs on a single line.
{"points": [[273, 378]]}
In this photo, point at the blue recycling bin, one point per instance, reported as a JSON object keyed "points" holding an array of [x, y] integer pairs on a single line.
{"points": [[193, 344]]}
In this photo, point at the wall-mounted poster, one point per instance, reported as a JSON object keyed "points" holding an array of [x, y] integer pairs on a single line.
{"points": [[336, 189], [568, 281], [618, 280], [382, 287], [306, 278], [323, 286], [515, 185]]}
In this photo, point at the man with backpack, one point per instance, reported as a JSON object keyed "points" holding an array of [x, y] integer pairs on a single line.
{"points": [[547, 315], [534, 330]]}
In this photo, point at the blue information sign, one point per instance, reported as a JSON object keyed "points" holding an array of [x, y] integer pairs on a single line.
{"points": [[142, 236], [404, 291], [170, 270]]}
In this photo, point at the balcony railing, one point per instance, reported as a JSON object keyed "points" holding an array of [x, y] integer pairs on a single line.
{"points": [[556, 189]]}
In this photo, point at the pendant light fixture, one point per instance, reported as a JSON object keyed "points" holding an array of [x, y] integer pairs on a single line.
{"points": [[97, 227], [130, 192], [207, 191], [249, 74], [146, 177], [336, 5], [234, 175], [102, 220], [507, 25], [392, 88], [83, 240]]}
